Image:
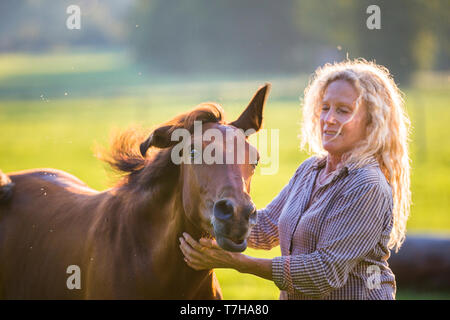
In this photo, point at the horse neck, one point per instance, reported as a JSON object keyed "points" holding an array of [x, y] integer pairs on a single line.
{"points": [[175, 225], [159, 220]]}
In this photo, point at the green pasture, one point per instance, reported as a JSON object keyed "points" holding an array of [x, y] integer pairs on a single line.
{"points": [[55, 108]]}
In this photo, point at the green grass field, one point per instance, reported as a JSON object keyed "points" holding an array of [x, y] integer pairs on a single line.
{"points": [[55, 108]]}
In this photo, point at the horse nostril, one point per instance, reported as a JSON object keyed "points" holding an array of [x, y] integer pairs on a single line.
{"points": [[223, 209], [250, 215]]}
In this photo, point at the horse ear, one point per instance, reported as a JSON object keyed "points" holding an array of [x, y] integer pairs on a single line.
{"points": [[159, 138], [252, 116]]}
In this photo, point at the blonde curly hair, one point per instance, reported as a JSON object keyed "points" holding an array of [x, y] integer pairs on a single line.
{"points": [[387, 134]]}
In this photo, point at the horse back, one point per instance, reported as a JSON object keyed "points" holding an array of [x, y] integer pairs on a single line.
{"points": [[41, 225]]}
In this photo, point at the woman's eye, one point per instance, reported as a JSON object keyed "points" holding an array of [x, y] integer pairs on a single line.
{"points": [[325, 108]]}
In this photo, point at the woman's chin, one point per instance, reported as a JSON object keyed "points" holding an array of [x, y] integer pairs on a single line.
{"points": [[331, 148]]}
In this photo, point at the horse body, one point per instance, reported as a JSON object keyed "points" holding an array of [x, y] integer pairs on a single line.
{"points": [[42, 209], [61, 222], [124, 240]]}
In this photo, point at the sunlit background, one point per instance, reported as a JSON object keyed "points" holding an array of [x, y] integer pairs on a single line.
{"points": [[136, 62]]}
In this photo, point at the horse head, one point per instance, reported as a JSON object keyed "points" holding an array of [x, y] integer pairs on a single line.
{"points": [[216, 164]]}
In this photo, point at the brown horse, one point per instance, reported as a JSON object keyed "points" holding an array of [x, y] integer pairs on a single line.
{"points": [[125, 240]]}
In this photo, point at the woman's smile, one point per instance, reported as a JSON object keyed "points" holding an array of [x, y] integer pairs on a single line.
{"points": [[331, 134]]}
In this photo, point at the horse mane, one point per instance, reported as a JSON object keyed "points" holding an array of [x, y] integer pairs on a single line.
{"points": [[125, 158]]}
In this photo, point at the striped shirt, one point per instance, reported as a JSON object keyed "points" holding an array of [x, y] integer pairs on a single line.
{"points": [[335, 248]]}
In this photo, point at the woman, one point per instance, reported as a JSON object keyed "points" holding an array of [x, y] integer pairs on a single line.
{"points": [[346, 206]]}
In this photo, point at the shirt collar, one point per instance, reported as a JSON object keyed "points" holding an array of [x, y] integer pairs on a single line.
{"points": [[320, 163]]}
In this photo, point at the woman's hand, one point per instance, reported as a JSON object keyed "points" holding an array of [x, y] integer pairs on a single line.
{"points": [[206, 254]]}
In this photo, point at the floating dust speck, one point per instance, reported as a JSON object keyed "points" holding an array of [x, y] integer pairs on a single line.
{"points": [[339, 48], [65, 93]]}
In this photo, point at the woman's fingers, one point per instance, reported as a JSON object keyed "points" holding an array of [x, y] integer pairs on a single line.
{"points": [[190, 263], [187, 250], [185, 246], [209, 243], [191, 256], [204, 254], [194, 253], [194, 244], [193, 265]]}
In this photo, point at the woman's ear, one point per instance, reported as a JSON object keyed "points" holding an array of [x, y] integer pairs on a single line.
{"points": [[159, 138]]}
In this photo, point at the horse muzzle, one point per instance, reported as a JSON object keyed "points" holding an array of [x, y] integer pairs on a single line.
{"points": [[230, 245], [232, 224]]}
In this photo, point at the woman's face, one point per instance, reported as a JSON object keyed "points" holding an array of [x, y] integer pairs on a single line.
{"points": [[338, 105]]}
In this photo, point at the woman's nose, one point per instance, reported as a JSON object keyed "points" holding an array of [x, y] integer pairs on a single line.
{"points": [[330, 117]]}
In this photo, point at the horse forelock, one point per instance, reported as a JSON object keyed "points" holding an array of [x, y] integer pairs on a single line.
{"points": [[205, 112]]}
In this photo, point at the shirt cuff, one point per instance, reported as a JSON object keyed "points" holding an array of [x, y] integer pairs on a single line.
{"points": [[281, 273]]}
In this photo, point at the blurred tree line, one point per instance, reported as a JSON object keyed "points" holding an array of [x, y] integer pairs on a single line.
{"points": [[239, 36], [40, 25], [289, 35]]}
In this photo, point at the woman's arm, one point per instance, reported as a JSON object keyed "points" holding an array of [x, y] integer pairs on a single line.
{"points": [[208, 255], [256, 266]]}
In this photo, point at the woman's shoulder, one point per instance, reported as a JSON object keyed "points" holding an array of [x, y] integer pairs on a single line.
{"points": [[366, 176]]}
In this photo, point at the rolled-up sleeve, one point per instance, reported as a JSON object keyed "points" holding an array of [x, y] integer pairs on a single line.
{"points": [[350, 231]]}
